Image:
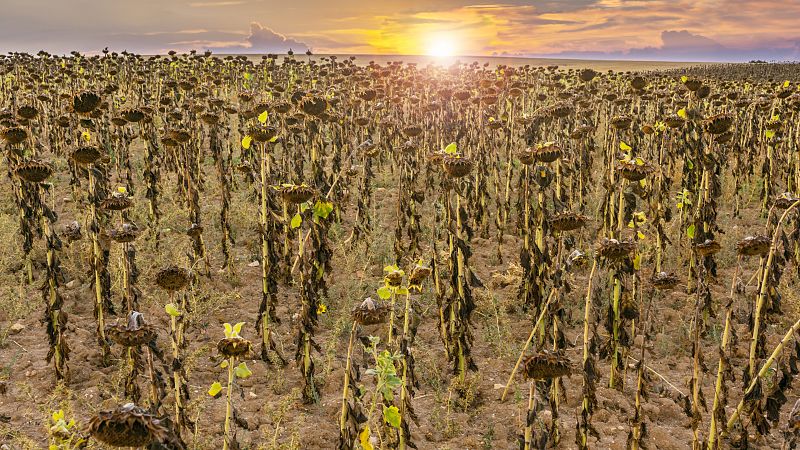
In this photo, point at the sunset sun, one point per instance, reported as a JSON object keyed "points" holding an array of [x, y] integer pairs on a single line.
{"points": [[441, 46]]}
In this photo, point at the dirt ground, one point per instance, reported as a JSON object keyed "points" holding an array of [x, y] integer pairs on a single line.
{"points": [[269, 400]]}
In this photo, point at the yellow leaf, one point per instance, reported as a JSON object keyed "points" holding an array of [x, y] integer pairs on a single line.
{"points": [[172, 310], [262, 117], [246, 142], [215, 389], [242, 371], [682, 113], [363, 438], [786, 84], [86, 136], [237, 329], [640, 235], [624, 147]]}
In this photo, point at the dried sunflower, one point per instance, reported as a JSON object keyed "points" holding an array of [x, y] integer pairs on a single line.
{"points": [[296, 193], [754, 246], [567, 221], [33, 171], [708, 247], [546, 365], [133, 333], [172, 278], [614, 249], [457, 166], [127, 426], [370, 312], [664, 281]]}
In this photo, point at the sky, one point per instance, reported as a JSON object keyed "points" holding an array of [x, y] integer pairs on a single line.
{"points": [[677, 30]]}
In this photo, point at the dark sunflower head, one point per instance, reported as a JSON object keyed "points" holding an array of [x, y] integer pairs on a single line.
{"points": [[754, 246], [664, 281], [567, 221], [296, 193], [546, 365], [234, 346], [86, 102], [172, 278], [370, 312], [87, 154], [613, 249], [33, 171], [127, 426], [133, 332], [719, 123], [708, 247], [457, 166], [127, 232], [119, 201]]}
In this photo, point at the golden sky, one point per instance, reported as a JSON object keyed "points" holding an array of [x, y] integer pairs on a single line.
{"points": [[635, 29]]}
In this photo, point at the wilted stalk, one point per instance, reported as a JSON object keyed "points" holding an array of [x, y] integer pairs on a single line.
{"points": [[762, 294]]}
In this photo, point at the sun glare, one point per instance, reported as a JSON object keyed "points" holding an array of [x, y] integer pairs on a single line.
{"points": [[441, 46]]}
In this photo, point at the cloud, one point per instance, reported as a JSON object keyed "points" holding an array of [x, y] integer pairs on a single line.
{"points": [[683, 45], [215, 4], [263, 40], [719, 30]]}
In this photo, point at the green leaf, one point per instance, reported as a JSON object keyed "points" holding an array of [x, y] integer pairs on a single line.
{"points": [[451, 149], [322, 209], [296, 221], [363, 438], [391, 415], [242, 371], [690, 232], [215, 390], [402, 291], [393, 381], [172, 310], [689, 164], [384, 292]]}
